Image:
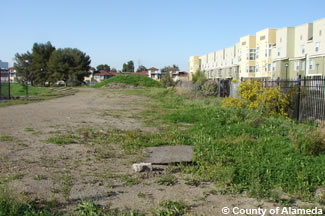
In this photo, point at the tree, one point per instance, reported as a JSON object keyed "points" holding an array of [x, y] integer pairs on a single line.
{"points": [[41, 54], [104, 67], [128, 67], [23, 66], [69, 65], [114, 70], [131, 66], [141, 68], [125, 68]]}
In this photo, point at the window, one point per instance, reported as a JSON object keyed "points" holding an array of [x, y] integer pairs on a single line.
{"points": [[300, 37], [247, 54], [239, 56], [266, 52], [317, 46], [279, 51], [246, 69], [302, 65], [280, 40], [302, 48], [252, 54], [251, 69], [297, 64], [311, 64], [262, 37], [257, 52], [270, 50], [269, 67], [320, 32], [265, 67], [243, 43], [256, 68], [273, 67]]}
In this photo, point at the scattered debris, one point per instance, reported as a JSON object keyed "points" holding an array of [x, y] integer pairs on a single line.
{"points": [[141, 167]]}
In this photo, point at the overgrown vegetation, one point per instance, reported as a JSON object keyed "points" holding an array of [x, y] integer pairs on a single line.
{"points": [[134, 79], [241, 149], [254, 96]]}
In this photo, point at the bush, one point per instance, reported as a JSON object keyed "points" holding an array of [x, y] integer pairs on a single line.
{"points": [[254, 96], [198, 77], [168, 81], [312, 142], [209, 88]]}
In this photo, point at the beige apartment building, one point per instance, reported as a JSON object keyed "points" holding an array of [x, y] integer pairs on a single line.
{"points": [[283, 53]]}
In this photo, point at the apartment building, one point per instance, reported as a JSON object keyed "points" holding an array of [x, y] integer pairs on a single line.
{"points": [[283, 53]]}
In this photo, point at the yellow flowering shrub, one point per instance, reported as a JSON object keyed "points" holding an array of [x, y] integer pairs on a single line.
{"points": [[254, 96]]}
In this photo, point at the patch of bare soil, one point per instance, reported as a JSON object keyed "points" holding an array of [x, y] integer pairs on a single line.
{"points": [[78, 171]]}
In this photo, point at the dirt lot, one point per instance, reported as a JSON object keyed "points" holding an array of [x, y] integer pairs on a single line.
{"points": [[35, 168]]}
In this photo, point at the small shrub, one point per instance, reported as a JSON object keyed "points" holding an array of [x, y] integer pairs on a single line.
{"points": [[168, 81], [209, 88], [312, 142]]}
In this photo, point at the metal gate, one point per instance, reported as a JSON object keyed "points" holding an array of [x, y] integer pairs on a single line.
{"points": [[4, 85]]}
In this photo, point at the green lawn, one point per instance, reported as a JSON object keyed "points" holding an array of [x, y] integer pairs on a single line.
{"points": [[20, 90]]}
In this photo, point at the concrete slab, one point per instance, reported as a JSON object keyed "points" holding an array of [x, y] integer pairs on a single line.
{"points": [[169, 154]]}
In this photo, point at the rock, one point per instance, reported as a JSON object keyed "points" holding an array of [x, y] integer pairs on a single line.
{"points": [[141, 167], [169, 154]]}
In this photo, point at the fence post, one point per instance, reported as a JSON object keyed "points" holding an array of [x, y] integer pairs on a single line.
{"points": [[0, 84], [219, 87], [298, 99]]}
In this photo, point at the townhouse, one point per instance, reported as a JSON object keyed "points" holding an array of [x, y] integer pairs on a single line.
{"points": [[283, 53]]}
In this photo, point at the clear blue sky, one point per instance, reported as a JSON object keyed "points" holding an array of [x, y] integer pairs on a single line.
{"points": [[154, 33]]}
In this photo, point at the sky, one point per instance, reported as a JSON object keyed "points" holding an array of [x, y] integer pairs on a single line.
{"points": [[150, 32]]}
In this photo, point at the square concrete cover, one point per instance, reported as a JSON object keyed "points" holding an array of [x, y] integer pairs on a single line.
{"points": [[169, 154]]}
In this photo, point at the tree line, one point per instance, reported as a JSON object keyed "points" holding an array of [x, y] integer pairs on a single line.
{"points": [[45, 65]]}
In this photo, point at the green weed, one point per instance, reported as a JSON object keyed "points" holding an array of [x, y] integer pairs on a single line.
{"points": [[167, 180]]}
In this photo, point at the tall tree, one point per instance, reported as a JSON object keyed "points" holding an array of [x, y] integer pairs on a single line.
{"points": [[141, 68], [23, 66], [69, 65], [104, 67], [128, 67], [41, 55], [125, 68], [131, 66]]}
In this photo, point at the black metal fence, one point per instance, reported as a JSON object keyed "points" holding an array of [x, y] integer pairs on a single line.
{"points": [[4, 85], [307, 97], [223, 87]]}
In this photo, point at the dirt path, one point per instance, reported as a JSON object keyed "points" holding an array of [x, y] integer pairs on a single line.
{"points": [[69, 173]]}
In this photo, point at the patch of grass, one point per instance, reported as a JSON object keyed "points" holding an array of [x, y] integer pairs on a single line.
{"points": [[9, 206], [127, 180], [40, 177], [66, 185], [171, 208], [86, 208], [167, 180], [134, 79], [29, 130], [17, 176], [63, 140], [6, 138], [192, 182], [20, 90]]}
